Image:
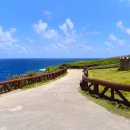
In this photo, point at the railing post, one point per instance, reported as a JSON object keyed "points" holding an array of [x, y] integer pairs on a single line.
{"points": [[112, 93], [96, 89], [83, 85], [85, 70], [20, 84]]}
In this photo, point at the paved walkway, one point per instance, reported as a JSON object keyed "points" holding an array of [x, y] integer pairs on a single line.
{"points": [[56, 106]]}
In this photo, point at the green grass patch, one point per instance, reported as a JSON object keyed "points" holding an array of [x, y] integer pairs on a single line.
{"points": [[111, 74], [113, 107], [90, 62]]}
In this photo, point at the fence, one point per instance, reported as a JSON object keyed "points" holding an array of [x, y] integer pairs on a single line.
{"points": [[11, 85], [105, 89]]}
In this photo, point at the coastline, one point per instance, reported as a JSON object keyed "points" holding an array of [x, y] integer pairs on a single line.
{"points": [[17, 66]]}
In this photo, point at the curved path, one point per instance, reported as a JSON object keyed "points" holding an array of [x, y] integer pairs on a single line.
{"points": [[56, 106]]}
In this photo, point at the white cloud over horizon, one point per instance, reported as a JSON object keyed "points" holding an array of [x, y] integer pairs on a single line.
{"points": [[67, 26], [114, 42], [6, 37], [65, 41], [8, 42], [46, 12], [69, 41], [121, 26], [62, 41], [41, 29], [127, 1]]}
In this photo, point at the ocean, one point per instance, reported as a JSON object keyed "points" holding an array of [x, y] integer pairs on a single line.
{"points": [[10, 67]]}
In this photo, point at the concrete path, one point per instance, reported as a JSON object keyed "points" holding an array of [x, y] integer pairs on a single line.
{"points": [[56, 106]]}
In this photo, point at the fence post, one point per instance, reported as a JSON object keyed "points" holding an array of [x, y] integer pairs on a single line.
{"points": [[20, 84], [83, 85], [96, 89], [112, 93]]}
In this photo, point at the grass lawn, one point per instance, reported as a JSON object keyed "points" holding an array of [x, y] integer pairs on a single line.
{"points": [[113, 75]]}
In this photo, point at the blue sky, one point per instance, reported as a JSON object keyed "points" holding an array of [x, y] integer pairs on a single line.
{"points": [[64, 28]]}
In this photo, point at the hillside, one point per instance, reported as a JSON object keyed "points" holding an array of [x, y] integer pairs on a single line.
{"points": [[95, 62]]}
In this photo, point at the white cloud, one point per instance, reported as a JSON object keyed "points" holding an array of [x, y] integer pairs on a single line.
{"points": [[63, 27], [47, 13], [126, 1], [114, 42], [113, 38], [109, 44], [41, 29], [68, 42], [20, 49], [121, 26], [67, 26], [69, 23], [8, 43], [6, 37]]}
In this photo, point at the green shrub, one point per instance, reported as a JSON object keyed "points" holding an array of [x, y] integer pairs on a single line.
{"points": [[52, 69]]}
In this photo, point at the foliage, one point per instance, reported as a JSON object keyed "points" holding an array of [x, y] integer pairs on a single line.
{"points": [[52, 69], [28, 74], [34, 73]]}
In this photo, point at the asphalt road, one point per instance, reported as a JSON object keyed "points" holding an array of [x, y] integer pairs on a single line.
{"points": [[56, 106]]}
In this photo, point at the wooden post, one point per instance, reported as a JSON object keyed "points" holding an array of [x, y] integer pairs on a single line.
{"points": [[20, 84], [112, 93], [96, 89], [83, 85]]}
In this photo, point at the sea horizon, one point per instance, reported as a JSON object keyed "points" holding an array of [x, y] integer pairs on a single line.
{"points": [[17, 66], [51, 58]]}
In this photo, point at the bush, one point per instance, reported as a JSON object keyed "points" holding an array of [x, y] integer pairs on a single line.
{"points": [[52, 69]]}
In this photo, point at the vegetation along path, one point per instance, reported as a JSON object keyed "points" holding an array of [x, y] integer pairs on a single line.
{"points": [[56, 106]]}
